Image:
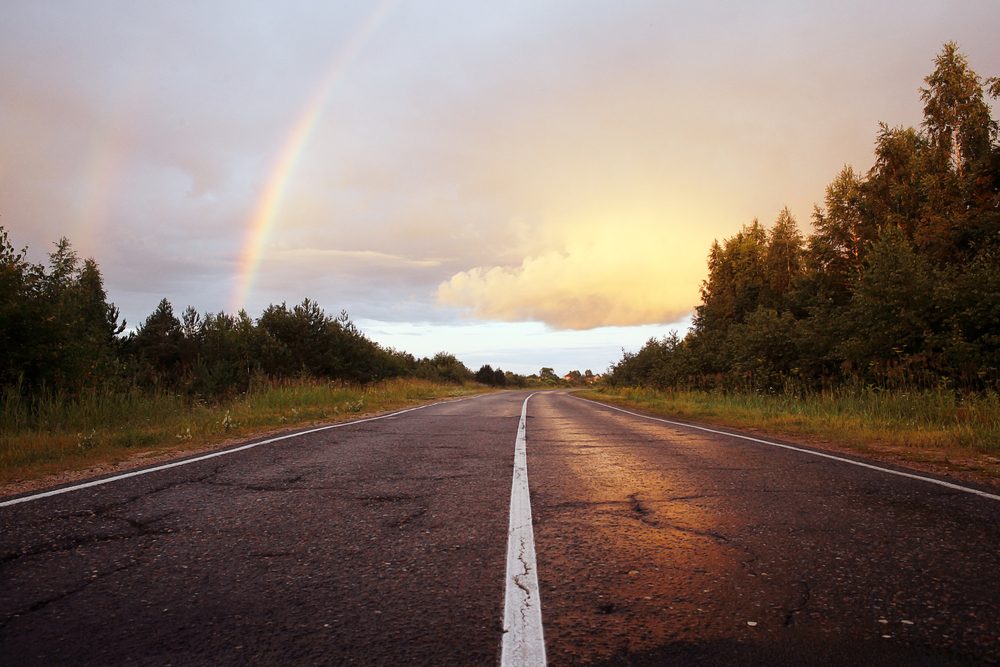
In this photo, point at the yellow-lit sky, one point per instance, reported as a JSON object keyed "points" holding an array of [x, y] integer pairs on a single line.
{"points": [[524, 184]]}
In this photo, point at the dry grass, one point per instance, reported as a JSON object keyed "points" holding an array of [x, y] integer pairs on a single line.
{"points": [[59, 435], [935, 427]]}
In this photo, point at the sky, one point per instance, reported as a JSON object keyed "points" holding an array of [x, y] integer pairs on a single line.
{"points": [[524, 183]]}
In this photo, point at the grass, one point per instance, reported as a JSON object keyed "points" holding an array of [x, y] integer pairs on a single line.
{"points": [[917, 426], [58, 435]]}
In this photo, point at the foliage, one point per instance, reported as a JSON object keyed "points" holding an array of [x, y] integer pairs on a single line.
{"points": [[931, 422], [547, 377], [74, 390], [442, 367], [494, 377], [897, 286], [57, 432], [57, 329], [61, 338]]}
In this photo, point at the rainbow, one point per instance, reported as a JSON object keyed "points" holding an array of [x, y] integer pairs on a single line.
{"points": [[104, 170], [94, 207], [265, 212]]}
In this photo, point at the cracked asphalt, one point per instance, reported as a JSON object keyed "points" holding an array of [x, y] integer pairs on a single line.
{"points": [[384, 543], [377, 543], [662, 545]]}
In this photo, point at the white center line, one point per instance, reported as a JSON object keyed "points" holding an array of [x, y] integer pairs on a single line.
{"points": [[889, 471], [523, 643]]}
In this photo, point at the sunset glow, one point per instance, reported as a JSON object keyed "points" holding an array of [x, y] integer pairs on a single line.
{"points": [[601, 272], [429, 169]]}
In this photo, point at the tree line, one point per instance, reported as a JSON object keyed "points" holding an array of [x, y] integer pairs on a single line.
{"points": [[59, 335], [897, 286], [497, 377]]}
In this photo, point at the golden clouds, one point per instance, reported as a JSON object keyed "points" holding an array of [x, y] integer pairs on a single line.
{"points": [[604, 273]]}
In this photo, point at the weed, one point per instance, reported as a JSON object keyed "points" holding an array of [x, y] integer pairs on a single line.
{"points": [[909, 421], [85, 442], [57, 433]]}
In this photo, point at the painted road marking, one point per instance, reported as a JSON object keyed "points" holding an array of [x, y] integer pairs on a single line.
{"points": [[931, 480], [166, 466], [523, 644]]}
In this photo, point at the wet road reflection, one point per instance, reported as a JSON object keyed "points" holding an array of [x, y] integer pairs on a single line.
{"points": [[635, 544], [654, 543]]}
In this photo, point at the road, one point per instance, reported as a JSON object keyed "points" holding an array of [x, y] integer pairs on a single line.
{"points": [[385, 542]]}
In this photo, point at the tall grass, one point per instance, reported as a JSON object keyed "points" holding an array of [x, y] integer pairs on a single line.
{"points": [[55, 433], [913, 421]]}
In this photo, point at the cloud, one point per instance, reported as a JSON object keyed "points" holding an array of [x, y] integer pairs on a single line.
{"points": [[625, 273], [523, 347], [491, 158]]}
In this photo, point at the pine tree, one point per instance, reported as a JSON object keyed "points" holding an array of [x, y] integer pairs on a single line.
{"points": [[157, 347], [782, 260], [961, 178], [956, 116], [894, 192]]}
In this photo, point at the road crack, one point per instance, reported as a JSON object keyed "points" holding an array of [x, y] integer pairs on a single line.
{"points": [[805, 592], [42, 604], [645, 514], [138, 529]]}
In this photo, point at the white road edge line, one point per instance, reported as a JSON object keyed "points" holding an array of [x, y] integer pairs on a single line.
{"points": [[523, 644], [931, 480], [146, 471]]}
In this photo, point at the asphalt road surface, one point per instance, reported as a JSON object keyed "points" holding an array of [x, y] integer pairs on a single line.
{"points": [[385, 543]]}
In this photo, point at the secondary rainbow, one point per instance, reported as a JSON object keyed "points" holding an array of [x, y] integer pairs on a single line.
{"points": [[266, 210], [112, 145]]}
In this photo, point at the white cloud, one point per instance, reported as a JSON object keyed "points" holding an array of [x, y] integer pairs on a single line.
{"points": [[615, 273]]}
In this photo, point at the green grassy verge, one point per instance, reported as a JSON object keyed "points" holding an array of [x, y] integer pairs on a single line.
{"points": [[916, 426], [107, 428]]}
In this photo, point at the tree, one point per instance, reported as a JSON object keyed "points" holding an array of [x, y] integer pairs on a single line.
{"points": [[968, 296], [21, 322], [956, 116], [95, 327], [156, 345], [993, 86], [782, 259], [764, 349], [894, 191], [736, 278], [896, 286], [59, 335], [57, 330], [548, 376], [291, 339], [891, 313], [228, 354], [443, 367], [961, 181], [485, 374], [841, 233], [512, 379]]}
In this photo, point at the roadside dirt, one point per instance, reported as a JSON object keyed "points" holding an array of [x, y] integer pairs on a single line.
{"points": [[971, 467], [957, 464], [142, 459], [965, 466]]}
